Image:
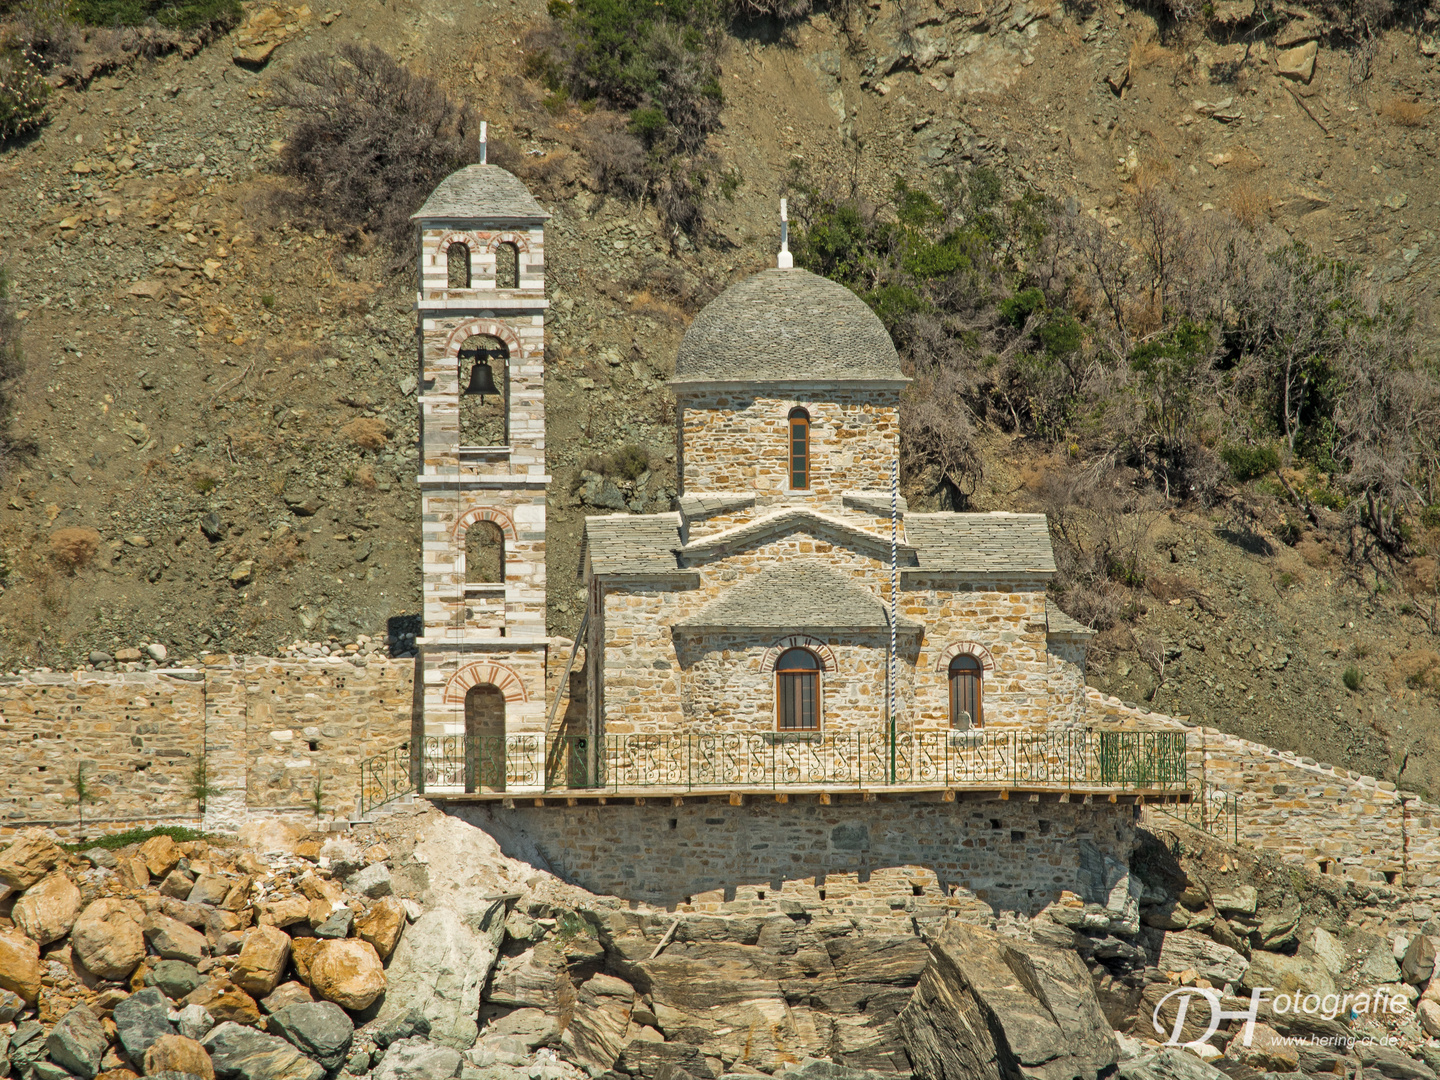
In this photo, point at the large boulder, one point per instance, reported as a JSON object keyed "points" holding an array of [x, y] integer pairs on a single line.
{"points": [[262, 960], [242, 1053], [176, 1053], [48, 910], [140, 1020], [320, 1029], [381, 924], [78, 1042], [1167, 1063], [416, 1059], [225, 1002], [171, 939], [174, 978], [28, 860], [596, 1034], [1289, 974], [989, 1006], [439, 968], [347, 972], [161, 854], [1187, 950], [19, 965], [1418, 963], [107, 939]]}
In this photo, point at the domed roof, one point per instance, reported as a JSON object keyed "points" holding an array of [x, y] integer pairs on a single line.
{"points": [[787, 326], [481, 191]]}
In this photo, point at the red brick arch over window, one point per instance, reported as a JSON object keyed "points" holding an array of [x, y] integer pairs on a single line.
{"points": [[521, 242], [965, 648], [798, 641], [468, 239], [484, 513], [491, 328], [485, 673]]}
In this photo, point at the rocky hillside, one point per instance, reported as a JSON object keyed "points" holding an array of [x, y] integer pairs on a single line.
{"points": [[413, 948], [218, 416]]}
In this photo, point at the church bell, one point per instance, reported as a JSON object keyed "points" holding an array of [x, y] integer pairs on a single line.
{"points": [[482, 381]]}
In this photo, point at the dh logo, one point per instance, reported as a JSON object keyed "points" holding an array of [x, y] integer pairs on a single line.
{"points": [[1186, 994]]}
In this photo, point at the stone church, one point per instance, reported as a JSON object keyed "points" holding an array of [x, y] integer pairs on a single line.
{"points": [[759, 607]]}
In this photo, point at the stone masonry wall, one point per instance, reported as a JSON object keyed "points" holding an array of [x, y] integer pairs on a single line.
{"points": [[734, 441], [1013, 856], [1306, 812]]}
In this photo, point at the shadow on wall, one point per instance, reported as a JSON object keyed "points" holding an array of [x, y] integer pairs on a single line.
{"points": [[1011, 856]]}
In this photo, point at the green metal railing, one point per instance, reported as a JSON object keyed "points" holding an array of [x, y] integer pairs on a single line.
{"points": [[1210, 809], [1059, 758]]}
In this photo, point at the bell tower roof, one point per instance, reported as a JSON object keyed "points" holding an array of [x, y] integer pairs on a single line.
{"points": [[787, 326], [481, 191]]}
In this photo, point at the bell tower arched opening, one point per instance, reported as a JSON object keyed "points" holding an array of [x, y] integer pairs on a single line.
{"points": [[457, 266], [484, 398]]}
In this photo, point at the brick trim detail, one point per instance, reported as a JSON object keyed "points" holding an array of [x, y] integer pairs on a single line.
{"points": [[520, 241], [470, 240], [484, 513], [966, 648], [491, 328], [481, 673], [798, 641]]}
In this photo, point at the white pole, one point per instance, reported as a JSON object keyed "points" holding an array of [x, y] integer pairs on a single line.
{"points": [[784, 261], [894, 597], [483, 138]]}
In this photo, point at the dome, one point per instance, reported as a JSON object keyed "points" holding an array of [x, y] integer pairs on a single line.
{"points": [[787, 326], [480, 191]]}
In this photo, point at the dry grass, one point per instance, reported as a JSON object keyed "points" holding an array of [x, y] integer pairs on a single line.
{"points": [[1251, 205], [365, 478], [74, 547], [366, 432], [1404, 113]]}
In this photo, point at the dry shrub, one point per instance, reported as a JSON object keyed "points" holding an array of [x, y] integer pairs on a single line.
{"points": [[1170, 588], [371, 138], [1404, 113], [365, 478], [1251, 205], [1145, 53], [74, 547], [366, 432], [1416, 670]]}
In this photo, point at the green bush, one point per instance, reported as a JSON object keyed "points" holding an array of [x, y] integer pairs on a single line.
{"points": [[1248, 462], [23, 96], [115, 841], [1352, 679], [172, 14], [1016, 309]]}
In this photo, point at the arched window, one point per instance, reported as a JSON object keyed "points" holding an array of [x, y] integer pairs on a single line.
{"points": [[797, 690], [965, 699], [457, 266], [507, 267], [799, 450], [484, 553], [483, 416]]}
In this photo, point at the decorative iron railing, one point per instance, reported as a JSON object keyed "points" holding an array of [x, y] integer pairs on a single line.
{"points": [[1210, 809], [1117, 760]]}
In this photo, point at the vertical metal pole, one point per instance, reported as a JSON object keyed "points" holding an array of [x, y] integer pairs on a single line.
{"points": [[894, 600]]}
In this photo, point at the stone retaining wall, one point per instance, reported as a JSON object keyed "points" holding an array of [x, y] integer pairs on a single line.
{"points": [[853, 855]]}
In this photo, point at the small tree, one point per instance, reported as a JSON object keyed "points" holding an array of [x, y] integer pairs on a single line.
{"points": [[200, 787], [83, 794], [317, 797]]}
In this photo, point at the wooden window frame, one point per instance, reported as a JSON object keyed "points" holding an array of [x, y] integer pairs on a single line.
{"points": [[799, 420], [781, 675], [958, 669]]}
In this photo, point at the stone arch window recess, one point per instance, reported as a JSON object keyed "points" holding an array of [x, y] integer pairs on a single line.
{"points": [[966, 648], [507, 266], [484, 738], [484, 418], [799, 449], [484, 553], [457, 265], [966, 699], [797, 690]]}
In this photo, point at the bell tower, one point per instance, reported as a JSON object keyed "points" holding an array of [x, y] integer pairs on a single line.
{"points": [[481, 322]]}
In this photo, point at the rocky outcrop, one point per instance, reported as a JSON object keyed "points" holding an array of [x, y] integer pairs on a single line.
{"points": [[438, 969], [989, 1007]]}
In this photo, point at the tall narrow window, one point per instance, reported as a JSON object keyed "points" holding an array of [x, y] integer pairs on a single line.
{"points": [[799, 450], [484, 553], [797, 690], [507, 267], [457, 266], [965, 699]]}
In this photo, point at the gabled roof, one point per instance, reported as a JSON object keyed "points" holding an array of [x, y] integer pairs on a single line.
{"points": [[981, 544], [481, 191], [799, 597], [633, 544], [1057, 623], [792, 518]]}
